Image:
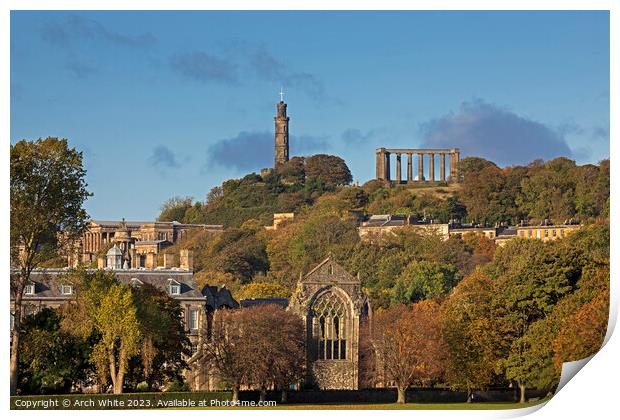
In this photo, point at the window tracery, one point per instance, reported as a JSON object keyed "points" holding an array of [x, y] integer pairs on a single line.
{"points": [[331, 313]]}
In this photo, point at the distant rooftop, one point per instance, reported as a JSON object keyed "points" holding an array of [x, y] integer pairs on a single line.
{"points": [[247, 303]]}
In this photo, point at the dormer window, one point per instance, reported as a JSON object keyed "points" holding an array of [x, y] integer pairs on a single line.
{"points": [[29, 289], [66, 289], [134, 282], [174, 287]]}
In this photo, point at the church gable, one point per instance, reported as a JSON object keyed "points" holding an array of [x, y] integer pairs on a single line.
{"points": [[330, 272]]}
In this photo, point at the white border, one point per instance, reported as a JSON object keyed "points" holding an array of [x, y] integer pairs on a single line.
{"points": [[592, 394]]}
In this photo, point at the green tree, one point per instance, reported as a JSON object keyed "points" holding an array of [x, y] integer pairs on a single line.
{"points": [[164, 346], [549, 190], [329, 169], [105, 308], [422, 280], [319, 236], [293, 171], [51, 360], [48, 191], [469, 333], [174, 209]]}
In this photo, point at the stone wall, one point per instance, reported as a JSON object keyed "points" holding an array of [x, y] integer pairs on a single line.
{"points": [[334, 374]]}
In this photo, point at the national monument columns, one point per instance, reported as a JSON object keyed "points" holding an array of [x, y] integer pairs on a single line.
{"points": [[383, 171]]}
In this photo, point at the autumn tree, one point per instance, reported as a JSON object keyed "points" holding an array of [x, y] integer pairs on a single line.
{"points": [[469, 334], [409, 345], [226, 352], [105, 308], [584, 331], [276, 348], [48, 191]]}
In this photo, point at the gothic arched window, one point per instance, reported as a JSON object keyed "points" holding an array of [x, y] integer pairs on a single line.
{"points": [[331, 313]]}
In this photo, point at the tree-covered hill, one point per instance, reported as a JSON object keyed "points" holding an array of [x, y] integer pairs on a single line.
{"points": [[405, 268], [557, 189]]}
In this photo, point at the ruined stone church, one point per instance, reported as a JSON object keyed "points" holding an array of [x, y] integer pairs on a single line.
{"points": [[334, 308]]}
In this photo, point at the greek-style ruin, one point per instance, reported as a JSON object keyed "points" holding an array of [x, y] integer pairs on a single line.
{"points": [[384, 167]]}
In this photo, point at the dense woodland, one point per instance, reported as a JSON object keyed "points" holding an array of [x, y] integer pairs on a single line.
{"points": [[473, 314]]}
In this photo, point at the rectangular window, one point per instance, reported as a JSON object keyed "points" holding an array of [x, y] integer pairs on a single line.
{"points": [[529, 233], [174, 289], [546, 233], [193, 319], [553, 233], [29, 289]]}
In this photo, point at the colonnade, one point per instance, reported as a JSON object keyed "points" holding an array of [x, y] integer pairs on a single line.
{"points": [[384, 158]]}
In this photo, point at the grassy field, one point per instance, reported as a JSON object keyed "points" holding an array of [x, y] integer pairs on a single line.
{"points": [[172, 401]]}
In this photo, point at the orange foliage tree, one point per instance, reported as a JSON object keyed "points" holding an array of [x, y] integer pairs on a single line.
{"points": [[409, 345], [584, 331]]}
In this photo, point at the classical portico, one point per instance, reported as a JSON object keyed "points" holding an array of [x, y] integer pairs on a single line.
{"points": [[384, 170]]}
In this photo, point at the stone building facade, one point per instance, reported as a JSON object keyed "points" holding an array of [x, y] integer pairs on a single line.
{"points": [[140, 242], [333, 307]]}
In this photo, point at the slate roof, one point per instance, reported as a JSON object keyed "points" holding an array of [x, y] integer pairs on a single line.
{"points": [[381, 220], [48, 282], [248, 303]]}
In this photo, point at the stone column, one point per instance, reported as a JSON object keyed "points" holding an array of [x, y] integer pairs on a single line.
{"points": [[399, 176], [380, 162], [431, 166], [409, 167], [442, 167], [420, 166], [457, 162], [151, 260], [386, 166], [453, 166]]}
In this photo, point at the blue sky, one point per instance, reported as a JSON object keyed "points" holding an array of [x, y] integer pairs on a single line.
{"points": [[173, 103]]}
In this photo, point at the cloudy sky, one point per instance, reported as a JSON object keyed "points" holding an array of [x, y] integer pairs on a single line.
{"points": [[174, 103]]}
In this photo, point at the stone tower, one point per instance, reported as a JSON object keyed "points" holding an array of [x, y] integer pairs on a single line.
{"points": [[281, 152]]}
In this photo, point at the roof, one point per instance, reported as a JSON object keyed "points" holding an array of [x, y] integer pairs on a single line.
{"points": [[382, 220], [114, 251], [248, 303], [137, 224], [321, 273], [48, 282], [144, 243]]}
